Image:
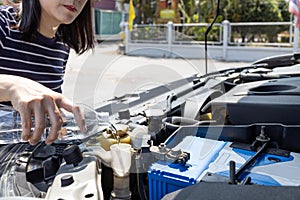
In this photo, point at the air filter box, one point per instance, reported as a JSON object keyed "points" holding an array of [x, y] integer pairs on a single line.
{"points": [[271, 101]]}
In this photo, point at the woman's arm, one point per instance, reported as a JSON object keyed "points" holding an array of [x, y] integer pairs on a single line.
{"points": [[33, 99]]}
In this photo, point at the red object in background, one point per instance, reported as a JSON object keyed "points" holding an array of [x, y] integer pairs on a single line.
{"points": [[294, 8], [163, 4]]}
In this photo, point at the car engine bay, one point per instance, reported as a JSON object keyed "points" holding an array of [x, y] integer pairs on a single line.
{"points": [[234, 131]]}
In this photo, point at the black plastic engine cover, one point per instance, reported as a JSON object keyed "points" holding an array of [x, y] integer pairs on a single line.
{"points": [[271, 101]]}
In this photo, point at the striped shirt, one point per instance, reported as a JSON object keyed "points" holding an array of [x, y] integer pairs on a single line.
{"points": [[42, 59]]}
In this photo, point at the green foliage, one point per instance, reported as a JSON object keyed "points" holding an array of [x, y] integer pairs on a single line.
{"points": [[198, 33], [252, 10], [239, 10], [256, 11], [283, 7], [149, 33], [231, 10]]}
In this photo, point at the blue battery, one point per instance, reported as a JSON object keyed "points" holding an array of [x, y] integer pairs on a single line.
{"points": [[164, 177]]}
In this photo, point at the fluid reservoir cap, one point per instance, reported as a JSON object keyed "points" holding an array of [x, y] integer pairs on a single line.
{"points": [[72, 155], [66, 180]]}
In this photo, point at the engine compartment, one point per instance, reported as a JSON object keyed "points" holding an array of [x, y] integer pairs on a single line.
{"points": [[237, 127]]}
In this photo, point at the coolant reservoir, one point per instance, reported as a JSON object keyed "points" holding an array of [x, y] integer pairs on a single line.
{"points": [[113, 137]]}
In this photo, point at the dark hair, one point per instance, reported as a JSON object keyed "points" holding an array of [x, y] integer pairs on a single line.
{"points": [[79, 35]]}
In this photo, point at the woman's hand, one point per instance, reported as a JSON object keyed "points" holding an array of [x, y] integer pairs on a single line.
{"points": [[33, 99]]}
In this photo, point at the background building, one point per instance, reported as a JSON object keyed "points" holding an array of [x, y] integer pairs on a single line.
{"points": [[105, 5], [107, 20]]}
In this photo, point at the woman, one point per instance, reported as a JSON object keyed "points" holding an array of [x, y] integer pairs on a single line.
{"points": [[35, 44]]}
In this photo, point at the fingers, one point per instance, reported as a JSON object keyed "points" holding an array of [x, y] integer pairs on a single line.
{"points": [[32, 99], [39, 124], [26, 124], [40, 108], [56, 121]]}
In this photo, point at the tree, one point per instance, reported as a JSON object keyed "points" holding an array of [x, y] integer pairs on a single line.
{"points": [[232, 10], [255, 11], [238, 10], [252, 10]]}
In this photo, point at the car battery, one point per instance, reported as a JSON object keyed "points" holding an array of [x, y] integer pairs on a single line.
{"points": [[164, 177], [268, 169]]}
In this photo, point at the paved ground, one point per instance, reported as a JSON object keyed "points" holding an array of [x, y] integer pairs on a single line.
{"points": [[100, 75]]}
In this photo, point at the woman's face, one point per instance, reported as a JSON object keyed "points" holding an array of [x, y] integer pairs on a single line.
{"points": [[56, 12]]}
